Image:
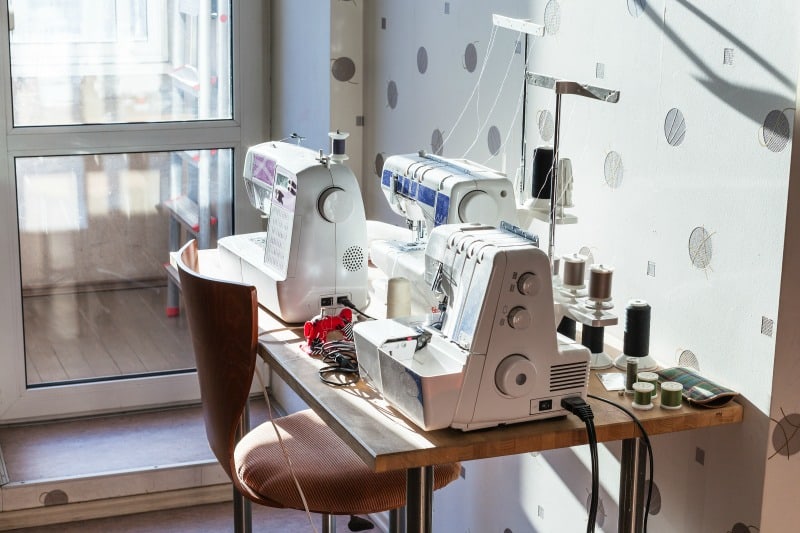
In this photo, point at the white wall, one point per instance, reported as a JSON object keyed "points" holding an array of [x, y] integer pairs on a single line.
{"points": [[301, 95], [731, 69]]}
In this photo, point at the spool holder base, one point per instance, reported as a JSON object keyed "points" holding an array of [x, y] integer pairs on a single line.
{"points": [[590, 316], [600, 361], [646, 363]]}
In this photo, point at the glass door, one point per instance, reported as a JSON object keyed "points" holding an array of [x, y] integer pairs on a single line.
{"points": [[121, 142]]}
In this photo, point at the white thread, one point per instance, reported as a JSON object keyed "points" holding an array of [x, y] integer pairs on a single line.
{"points": [[494, 104], [511, 126], [477, 84], [285, 451]]}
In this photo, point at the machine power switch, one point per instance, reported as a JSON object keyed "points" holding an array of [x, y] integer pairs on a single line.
{"points": [[528, 284], [519, 318]]}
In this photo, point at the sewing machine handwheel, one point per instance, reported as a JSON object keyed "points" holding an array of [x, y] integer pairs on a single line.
{"points": [[335, 205], [515, 375]]}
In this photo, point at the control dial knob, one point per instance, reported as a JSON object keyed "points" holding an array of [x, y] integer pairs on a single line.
{"points": [[519, 318], [528, 284]]}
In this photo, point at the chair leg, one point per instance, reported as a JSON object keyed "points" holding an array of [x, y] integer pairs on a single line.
{"points": [[328, 523], [242, 508], [242, 513]]}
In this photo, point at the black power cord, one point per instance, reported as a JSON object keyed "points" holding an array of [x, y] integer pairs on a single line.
{"points": [[347, 303], [648, 446], [577, 406]]}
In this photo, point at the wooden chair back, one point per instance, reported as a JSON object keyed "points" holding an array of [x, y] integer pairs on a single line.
{"points": [[223, 322]]}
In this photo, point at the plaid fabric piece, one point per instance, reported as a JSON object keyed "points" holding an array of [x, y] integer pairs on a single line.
{"points": [[697, 389]]}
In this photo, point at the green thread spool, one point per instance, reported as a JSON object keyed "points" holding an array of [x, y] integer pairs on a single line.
{"points": [[631, 370], [671, 395], [643, 395], [649, 377]]}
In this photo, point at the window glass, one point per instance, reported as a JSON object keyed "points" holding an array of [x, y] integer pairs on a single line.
{"points": [[119, 61], [95, 232]]}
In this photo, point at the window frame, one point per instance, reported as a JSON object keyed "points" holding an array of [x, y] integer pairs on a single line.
{"points": [[249, 92]]}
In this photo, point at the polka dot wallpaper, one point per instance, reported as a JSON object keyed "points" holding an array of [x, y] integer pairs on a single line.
{"points": [[681, 186]]}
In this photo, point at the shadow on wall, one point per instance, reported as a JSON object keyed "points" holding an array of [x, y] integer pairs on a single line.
{"points": [[748, 102]]}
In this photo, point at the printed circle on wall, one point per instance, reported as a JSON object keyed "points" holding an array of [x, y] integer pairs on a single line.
{"points": [[422, 60], [470, 57], [613, 169], [775, 132], [494, 140], [54, 497], [379, 160], [674, 127], [600, 519], [391, 94], [343, 69], [700, 247], [552, 17], [655, 501], [437, 142], [636, 7], [786, 435], [688, 359], [586, 252], [547, 126]]}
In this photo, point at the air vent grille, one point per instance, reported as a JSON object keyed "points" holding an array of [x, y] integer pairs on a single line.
{"points": [[568, 376]]}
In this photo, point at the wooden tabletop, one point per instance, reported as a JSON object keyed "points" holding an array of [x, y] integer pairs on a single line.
{"points": [[386, 440]]}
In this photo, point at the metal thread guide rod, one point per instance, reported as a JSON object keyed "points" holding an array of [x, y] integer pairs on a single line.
{"points": [[529, 28], [564, 87]]}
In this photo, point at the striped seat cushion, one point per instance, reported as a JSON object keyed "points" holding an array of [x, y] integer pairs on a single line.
{"points": [[333, 478]]}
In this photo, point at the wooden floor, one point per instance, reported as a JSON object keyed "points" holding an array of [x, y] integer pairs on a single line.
{"points": [[102, 334]]}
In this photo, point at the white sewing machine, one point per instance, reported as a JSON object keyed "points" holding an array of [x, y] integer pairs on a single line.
{"points": [[429, 190], [314, 251], [495, 357]]}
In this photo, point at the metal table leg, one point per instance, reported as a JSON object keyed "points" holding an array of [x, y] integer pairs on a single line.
{"points": [[419, 499], [632, 486], [397, 520]]}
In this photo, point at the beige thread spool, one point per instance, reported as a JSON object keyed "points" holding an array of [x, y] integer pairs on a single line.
{"points": [[671, 395], [398, 297], [642, 396], [649, 377]]}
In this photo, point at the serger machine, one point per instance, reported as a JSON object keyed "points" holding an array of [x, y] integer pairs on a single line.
{"points": [[494, 356], [428, 191], [314, 251]]}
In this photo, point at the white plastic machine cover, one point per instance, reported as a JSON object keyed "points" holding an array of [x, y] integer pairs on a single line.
{"points": [[314, 251], [495, 357]]}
